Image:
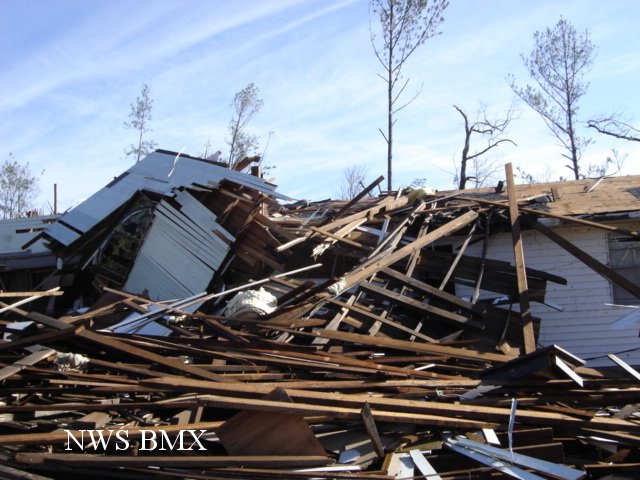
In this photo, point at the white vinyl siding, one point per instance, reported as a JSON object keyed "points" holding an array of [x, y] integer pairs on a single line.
{"points": [[584, 327]]}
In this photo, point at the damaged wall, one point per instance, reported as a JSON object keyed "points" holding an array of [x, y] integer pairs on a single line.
{"points": [[584, 327]]}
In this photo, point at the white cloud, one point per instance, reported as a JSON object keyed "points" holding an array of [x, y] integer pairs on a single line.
{"points": [[74, 67]]}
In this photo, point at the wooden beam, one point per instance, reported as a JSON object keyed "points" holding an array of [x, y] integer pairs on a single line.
{"points": [[564, 218], [355, 199], [420, 347], [432, 291], [355, 402], [25, 362], [518, 252], [349, 413], [146, 355], [625, 366], [426, 309], [385, 260], [118, 461], [362, 312], [372, 429]]}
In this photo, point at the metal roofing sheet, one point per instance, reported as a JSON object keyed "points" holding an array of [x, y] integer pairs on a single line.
{"points": [[159, 172], [14, 233], [90, 212], [61, 233]]}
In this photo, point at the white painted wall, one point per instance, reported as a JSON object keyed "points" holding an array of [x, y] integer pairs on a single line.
{"points": [[584, 327]]}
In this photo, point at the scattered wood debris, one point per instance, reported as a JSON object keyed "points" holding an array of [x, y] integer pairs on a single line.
{"points": [[360, 362]]}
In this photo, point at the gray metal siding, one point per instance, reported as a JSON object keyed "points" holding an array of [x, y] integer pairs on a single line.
{"points": [[179, 255], [157, 172]]}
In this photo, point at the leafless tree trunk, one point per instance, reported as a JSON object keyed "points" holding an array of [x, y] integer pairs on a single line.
{"points": [[404, 26], [490, 129]]}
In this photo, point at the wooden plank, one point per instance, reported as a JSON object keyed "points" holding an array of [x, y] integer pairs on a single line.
{"points": [[564, 218], [433, 291], [25, 362], [386, 260], [339, 238], [360, 311], [423, 465], [91, 421], [50, 293], [355, 199], [328, 361], [372, 429], [349, 413], [625, 366], [356, 401], [412, 346], [146, 355], [118, 461], [425, 308], [15, 305], [518, 251], [456, 260]]}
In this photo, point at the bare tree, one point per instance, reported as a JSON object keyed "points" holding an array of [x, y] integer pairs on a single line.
{"points": [[18, 186], [611, 166], [545, 175], [557, 64], [492, 131], [246, 104], [614, 127], [139, 119], [352, 181], [404, 26]]}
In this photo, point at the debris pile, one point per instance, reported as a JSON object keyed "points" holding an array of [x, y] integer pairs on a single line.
{"points": [[208, 332]]}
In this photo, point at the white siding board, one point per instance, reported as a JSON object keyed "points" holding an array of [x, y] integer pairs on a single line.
{"points": [[583, 328]]}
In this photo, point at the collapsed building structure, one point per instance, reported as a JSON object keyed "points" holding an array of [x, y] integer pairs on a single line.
{"points": [[437, 335]]}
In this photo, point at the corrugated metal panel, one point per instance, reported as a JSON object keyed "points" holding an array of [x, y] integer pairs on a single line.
{"points": [[158, 172], [90, 212], [164, 171], [196, 211], [148, 275], [62, 234], [201, 244], [14, 233], [179, 255]]}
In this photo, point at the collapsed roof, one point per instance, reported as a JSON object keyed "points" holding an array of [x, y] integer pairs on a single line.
{"points": [[328, 334]]}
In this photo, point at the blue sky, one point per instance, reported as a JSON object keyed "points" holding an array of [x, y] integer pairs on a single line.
{"points": [[71, 68]]}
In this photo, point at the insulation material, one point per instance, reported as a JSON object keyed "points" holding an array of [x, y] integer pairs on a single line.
{"points": [[70, 362], [251, 304]]}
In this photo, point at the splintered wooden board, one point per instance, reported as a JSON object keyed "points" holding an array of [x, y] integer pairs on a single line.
{"points": [[269, 433]]}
